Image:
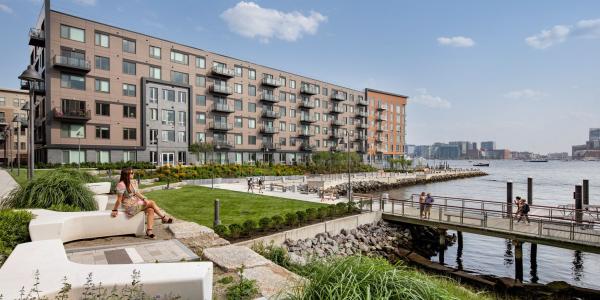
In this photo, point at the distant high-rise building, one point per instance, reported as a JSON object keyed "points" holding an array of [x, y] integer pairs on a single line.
{"points": [[591, 149], [463, 147], [594, 134], [488, 146]]}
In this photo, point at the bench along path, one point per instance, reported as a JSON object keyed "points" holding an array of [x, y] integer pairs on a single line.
{"points": [[578, 230]]}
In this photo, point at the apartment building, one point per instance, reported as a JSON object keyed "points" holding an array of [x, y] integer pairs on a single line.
{"points": [[13, 126], [128, 96]]}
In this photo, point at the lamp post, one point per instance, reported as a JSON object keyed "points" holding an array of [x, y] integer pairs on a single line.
{"points": [[18, 120], [348, 134], [79, 136], [32, 77]]}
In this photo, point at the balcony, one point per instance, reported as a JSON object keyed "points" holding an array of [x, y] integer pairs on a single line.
{"points": [[38, 87], [337, 109], [307, 104], [221, 71], [72, 115], [71, 63], [270, 114], [307, 119], [362, 114], [3, 122], [379, 150], [381, 118], [307, 147], [223, 107], [221, 89], [382, 106], [337, 123], [269, 97], [271, 82], [338, 96], [336, 135], [362, 125], [363, 102], [270, 146], [360, 137], [220, 126], [361, 149], [37, 37], [308, 89], [269, 130], [336, 148], [223, 145], [379, 129], [380, 139], [305, 133]]}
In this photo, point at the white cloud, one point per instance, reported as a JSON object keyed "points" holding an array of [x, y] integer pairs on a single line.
{"points": [[250, 20], [525, 94], [424, 98], [588, 29], [456, 41], [5, 8], [85, 2]]}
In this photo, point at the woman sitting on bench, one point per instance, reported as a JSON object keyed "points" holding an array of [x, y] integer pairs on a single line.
{"points": [[134, 202]]}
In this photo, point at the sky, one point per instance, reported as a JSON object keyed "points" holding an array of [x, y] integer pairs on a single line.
{"points": [[521, 73]]}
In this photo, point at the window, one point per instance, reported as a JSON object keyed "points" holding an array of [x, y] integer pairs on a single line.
{"points": [[102, 40], [282, 126], [169, 95], [168, 135], [128, 90], [292, 84], [251, 123], [102, 85], [102, 63], [2, 101], [155, 52], [129, 111], [102, 132], [182, 118], [252, 140], [129, 133], [200, 100], [252, 90], [292, 113], [238, 122], [200, 81], [102, 109], [128, 46], [153, 95], [282, 111], [129, 156], [252, 74], [71, 81], [292, 127], [72, 33], [179, 77], [282, 141], [154, 114], [73, 156], [103, 156], [238, 105], [200, 137], [128, 68], [251, 107], [200, 118], [292, 98], [181, 137], [237, 88], [200, 62], [238, 71], [325, 91], [182, 97], [238, 139], [155, 72], [178, 57], [282, 80], [168, 117], [72, 130], [153, 136], [282, 96]]}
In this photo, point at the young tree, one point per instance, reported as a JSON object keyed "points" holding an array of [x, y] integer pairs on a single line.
{"points": [[201, 147]]}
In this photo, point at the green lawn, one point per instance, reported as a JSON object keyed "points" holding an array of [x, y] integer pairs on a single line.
{"points": [[195, 203], [21, 178]]}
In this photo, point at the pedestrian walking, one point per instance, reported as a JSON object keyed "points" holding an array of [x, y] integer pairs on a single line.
{"points": [[251, 185], [518, 203], [261, 186], [421, 204], [524, 212], [428, 203]]}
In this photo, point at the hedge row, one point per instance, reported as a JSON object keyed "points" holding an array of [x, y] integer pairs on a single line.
{"points": [[100, 166]]}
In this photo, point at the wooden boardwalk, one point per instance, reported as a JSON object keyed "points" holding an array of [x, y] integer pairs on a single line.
{"points": [[554, 226]]}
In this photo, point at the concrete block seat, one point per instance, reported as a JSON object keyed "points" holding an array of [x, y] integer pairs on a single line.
{"points": [[101, 191], [71, 226], [189, 280]]}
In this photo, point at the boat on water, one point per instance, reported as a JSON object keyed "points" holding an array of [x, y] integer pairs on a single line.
{"points": [[538, 160], [481, 164]]}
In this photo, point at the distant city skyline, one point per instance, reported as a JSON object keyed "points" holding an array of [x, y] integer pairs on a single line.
{"points": [[528, 84]]}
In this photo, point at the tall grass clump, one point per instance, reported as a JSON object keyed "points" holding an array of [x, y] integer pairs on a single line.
{"points": [[55, 188], [14, 230], [361, 277]]}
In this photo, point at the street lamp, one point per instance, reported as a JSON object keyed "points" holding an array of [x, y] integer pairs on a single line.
{"points": [[32, 77], [79, 136], [18, 121], [348, 134]]}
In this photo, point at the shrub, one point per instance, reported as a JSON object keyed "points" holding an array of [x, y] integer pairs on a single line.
{"points": [[311, 214], [291, 219], [322, 212], [244, 289], [235, 230], [330, 211], [341, 208], [277, 222], [64, 207], [58, 187], [353, 207], [249, 227], [301, 216], [222, 230], [276, 254], [265, 223], [14, 230]]}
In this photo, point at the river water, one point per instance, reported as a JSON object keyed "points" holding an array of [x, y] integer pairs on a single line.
{"points": [[553, 184]]}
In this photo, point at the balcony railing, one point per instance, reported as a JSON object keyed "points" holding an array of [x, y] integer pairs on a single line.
{"points": [[382, 106], [36, 37], [221, 126], [225, 145], [221, 89], [269, 130], [307, 119], [337, 123], [271, 82], [336, 135], [72, 63], [379, 128], [3, 121], [380, 139], [223, 71], [271, 114], [307, 147], [38, 87], [305, 133], [381, 117], [269, 97], [362, 114], [223, 107], [75, 115], [307, 104], [337, 109], [363, 102], [308, 89], [338, 96], [362, 125], [360, 137], [271, 146]]}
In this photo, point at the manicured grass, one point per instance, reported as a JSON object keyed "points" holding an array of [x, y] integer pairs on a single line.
{"points": [[195, 203], [156, 183], [21, 178]]}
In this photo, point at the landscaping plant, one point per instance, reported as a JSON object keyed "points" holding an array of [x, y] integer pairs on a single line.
{"points": [[277, 222], [301, 216], [235, 230], [244, 289], [222, 230], [291, 219], [249, 227], [265, 223], [14, 230]]}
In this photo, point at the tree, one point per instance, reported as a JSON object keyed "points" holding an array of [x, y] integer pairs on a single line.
{"points": [[201, 147]]}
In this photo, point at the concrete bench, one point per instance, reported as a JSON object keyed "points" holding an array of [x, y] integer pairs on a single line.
{"points": [[71, 226], [189, 280], [101, 191], [457, 214], [278, 186]]}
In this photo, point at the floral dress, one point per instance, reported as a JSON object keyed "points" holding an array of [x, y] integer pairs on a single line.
{"points": [[131, 202]]}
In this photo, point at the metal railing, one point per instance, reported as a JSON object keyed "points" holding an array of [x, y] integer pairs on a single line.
{"points": [[72, 62], [269, 97], [221, 89], [308, 89], [223, 71], [338, 96], [223, 107], [220, 126], [271, 81]]}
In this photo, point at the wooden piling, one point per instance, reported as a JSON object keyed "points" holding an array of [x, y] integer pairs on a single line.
{"points": [[442, 238], [509, 197], [578, 204], [533, 263], [518, 260], [586, 192], [529, 190]]}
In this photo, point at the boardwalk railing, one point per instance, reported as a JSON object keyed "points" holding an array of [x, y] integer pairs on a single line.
{"points": [[557, 223]]}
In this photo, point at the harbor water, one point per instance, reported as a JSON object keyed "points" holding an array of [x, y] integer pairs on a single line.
{"points": [[553, 184]]}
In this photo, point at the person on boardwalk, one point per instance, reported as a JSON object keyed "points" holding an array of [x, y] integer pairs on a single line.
{"points": [[524, 211], [134, 202], [518, 204], [428, 203], [421, 204], [261, 185], [251, 185]]}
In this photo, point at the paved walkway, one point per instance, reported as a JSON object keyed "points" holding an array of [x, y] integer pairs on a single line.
{"points": [[7, 183], [148, 252]]}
